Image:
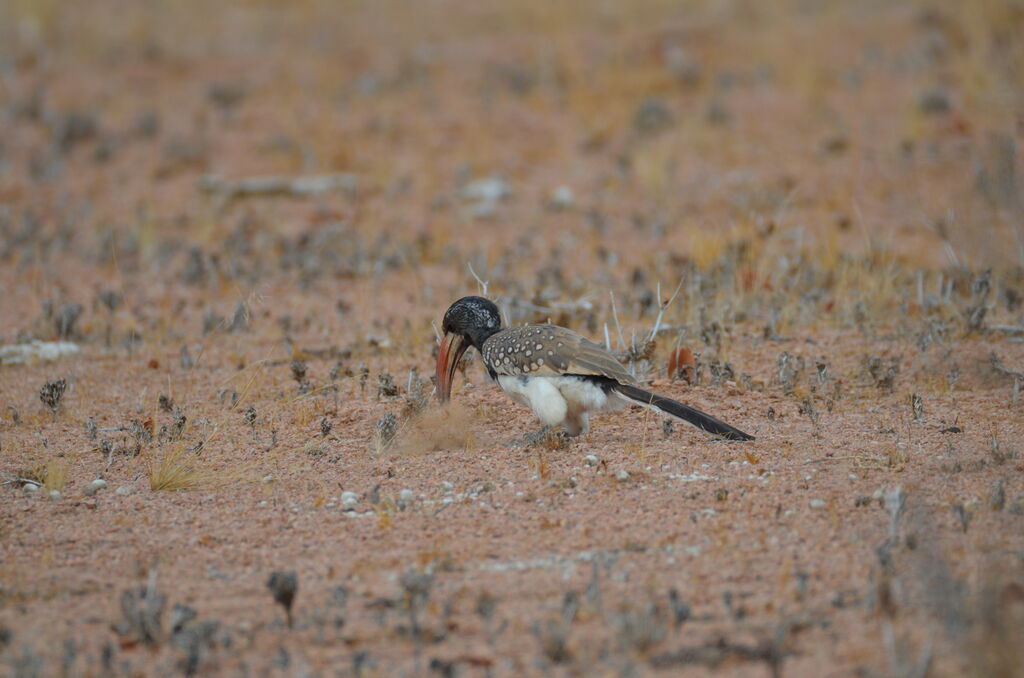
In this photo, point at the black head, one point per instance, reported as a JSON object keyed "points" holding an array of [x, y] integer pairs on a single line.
{"points": [[468, 322], [475, 318]]}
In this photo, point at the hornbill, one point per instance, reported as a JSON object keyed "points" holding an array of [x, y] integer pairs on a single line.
{"points": [[557, 373]]}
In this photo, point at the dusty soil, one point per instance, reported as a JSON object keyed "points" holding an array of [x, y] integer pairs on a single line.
{"points": [[834, 189]]}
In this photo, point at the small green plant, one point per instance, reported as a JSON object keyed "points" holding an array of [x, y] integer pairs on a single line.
{"points": [[52, 393]]}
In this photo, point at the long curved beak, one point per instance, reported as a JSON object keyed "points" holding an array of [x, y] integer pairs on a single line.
{"points": [[452, 348]]}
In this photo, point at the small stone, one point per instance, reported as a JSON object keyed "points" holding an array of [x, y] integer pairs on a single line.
{"points": [[446, 486], [562, 198], [30, 488], [817, 503], [349, 500], [405, 497], [483, 196], [935, 100], [55, 495], [94, 487], [622, 475], [123, 490], [591, 460], [490, 189]]}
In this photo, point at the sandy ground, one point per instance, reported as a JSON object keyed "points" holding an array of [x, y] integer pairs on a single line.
{"points": [[844, 230]]}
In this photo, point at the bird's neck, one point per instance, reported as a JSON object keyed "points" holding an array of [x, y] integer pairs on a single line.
{"points": [[478, 335]]}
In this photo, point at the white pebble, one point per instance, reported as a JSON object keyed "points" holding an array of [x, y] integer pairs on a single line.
{"points": [[591, 460], [622, 475], [817, 503], [94, 487], [446, 486], [123, 490], [30, 488], [562, 198], [55, 495], [349, 500]]}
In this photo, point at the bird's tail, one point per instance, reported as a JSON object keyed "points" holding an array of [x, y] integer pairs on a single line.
{"points": [[676, 409]]}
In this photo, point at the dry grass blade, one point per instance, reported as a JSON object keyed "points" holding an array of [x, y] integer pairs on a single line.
{"points": [[55, 474], [177, 469]]}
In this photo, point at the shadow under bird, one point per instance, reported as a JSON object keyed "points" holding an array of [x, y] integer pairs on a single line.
{"points": [[559, 374]]}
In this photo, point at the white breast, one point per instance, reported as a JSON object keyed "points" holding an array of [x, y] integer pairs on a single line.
{"points": [[559, 401]]}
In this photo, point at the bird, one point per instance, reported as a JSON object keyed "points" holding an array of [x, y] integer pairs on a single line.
{"points": [[558, 373]]}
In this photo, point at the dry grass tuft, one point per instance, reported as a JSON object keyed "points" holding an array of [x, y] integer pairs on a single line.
{"points": [[177, 469], [54, 474]]}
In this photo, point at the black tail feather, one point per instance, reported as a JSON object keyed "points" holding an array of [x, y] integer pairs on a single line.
{"points": [[690, 415]]}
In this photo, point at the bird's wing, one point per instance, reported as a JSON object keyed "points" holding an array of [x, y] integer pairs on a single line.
{"points": [[549, 350]]}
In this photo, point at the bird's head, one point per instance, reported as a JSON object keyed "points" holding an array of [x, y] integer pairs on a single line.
{"points": [[468, 322]]}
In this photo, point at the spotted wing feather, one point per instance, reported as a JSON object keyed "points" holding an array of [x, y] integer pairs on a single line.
{"points": [[548, 350]]}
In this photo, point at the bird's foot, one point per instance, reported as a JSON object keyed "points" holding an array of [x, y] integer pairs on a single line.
{"points": [[549, 437]]}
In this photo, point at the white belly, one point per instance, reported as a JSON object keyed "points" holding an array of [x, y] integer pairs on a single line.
{"points": [[559, 401]]}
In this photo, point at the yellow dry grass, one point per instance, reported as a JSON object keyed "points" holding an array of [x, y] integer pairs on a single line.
{"points": [[55, 473], [176, 469]]}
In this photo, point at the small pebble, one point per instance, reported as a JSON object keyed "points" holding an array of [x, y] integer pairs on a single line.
{"points": [[562, 198], [55, 495], [446, 486], [349, 500], [123, 490], [591, 460], [405, 497], [30, 488], [622, 475], [94, 487], [817, 503]]}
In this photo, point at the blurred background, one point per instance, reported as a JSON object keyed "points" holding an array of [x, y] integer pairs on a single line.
{"points": [[563, 149], [804, 217]]}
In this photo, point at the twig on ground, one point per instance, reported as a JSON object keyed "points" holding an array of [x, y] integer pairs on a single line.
{"points": [[997, 365], [273, 186]]}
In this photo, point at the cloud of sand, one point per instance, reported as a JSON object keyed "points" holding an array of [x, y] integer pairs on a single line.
{"points": [[435, 429]]}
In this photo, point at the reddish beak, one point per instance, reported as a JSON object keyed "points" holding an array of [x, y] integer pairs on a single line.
{"points": [[452, 348]]}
